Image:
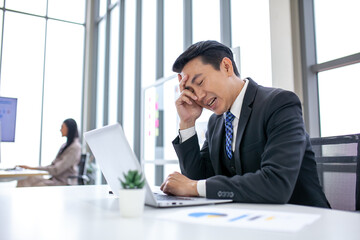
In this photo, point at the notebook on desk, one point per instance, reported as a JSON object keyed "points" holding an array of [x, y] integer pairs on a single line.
{"points": [[115, 156]]}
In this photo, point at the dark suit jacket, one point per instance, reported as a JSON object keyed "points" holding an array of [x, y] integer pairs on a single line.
{"points": [[273, 156]]}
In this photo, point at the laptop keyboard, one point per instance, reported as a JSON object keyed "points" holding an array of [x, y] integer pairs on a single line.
{"points": [[163, 197]]}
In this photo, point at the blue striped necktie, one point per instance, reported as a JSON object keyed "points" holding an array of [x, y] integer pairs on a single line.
{"points": [[229, 133]]}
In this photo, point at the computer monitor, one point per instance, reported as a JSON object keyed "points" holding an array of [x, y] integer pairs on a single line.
{"points": [[7, 119]]}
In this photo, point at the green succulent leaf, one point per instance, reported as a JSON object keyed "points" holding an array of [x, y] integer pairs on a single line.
{"points": [[133, 179]]}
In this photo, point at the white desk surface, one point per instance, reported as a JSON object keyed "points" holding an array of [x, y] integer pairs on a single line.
{"points": [[11, 175], [90, 212]]}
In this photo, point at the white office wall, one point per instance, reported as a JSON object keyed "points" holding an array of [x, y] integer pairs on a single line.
{"points": [[281, 44]]}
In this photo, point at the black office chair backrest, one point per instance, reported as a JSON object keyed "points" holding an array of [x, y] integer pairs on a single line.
{"points": [[338, 165], [82, 169]]}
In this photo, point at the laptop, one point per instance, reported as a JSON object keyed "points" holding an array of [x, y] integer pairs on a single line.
{"points": [[115, 156]]}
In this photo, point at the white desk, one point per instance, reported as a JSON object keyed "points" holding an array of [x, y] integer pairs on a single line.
{"points": [[12, 175], [89, 212]]}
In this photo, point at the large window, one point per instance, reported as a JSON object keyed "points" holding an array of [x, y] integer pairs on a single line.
{"points": [[332, 53], [206, 24], [63, 83], [114, 65], [22, 78], [107, 80], [339, 100], [173, 34], [100, 91], [41, 65], [129, 71], [338, 37], [115, 72], [336, 26], [253, 39], [148, 49], [173, 45]]}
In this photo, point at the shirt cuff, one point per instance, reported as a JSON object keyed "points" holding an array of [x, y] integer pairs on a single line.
{"points": [[201, 188], [186, 134]]}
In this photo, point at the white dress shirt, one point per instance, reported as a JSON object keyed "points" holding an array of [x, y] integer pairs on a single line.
{"points": [[235, 110]]}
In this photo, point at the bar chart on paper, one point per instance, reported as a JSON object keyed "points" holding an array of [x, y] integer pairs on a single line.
{"points": [[254, 219]]}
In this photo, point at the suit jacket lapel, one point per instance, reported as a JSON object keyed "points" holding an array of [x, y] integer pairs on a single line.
{"points": [[217, 144], [244, 118]]}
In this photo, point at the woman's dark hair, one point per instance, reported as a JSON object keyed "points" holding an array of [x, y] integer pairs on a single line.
{"points": [[72, 132], [210, 52]]}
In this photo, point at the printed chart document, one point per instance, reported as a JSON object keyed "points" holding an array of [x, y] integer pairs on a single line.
{"points": [[244, 218]]}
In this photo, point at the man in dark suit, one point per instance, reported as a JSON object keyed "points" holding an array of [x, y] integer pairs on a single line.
{"points": [[256, 148]]}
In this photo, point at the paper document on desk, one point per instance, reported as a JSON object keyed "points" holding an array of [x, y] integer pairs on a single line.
{"points": [[244, 218]]}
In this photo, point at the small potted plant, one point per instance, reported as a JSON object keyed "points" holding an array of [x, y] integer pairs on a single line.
{"points": [[132, 194]]}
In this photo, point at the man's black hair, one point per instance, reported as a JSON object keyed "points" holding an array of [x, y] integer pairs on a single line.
{"points": [[210, 52]]}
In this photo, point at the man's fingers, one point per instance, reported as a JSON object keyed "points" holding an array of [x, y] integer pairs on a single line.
{"points": [[184, 90], [189, 94], [184, 99], [166, 188], [162, 186], [182, 82]]}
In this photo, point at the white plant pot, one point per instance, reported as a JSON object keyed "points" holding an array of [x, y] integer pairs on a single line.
{"points": [[131, 202]]}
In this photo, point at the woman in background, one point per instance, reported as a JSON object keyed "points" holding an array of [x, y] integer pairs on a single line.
{"points": [[65, 163]]}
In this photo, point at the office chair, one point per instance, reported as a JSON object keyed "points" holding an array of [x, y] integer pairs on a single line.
{"points": [[338, 166], [81, 178]]}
